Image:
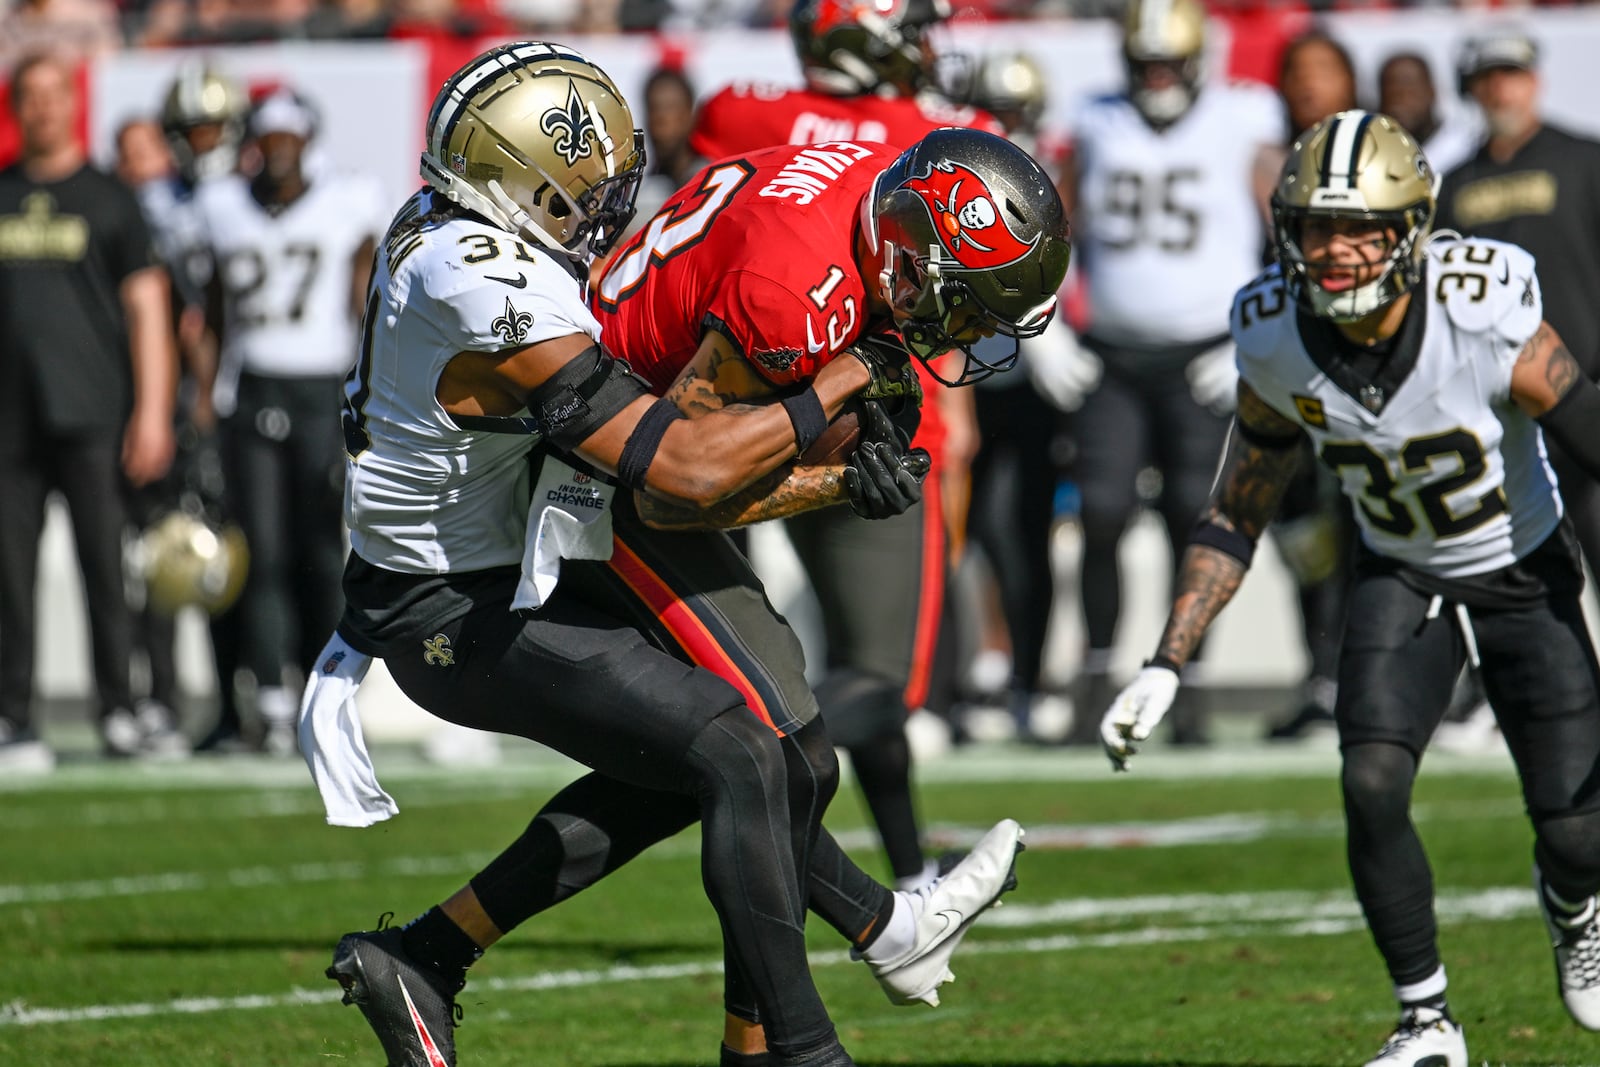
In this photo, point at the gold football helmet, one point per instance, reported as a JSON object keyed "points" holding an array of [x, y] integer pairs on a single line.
{"points": [[1354, 165], [1012, 87], [1157, 36], [203, 117], [187, 561], [539, 141]]}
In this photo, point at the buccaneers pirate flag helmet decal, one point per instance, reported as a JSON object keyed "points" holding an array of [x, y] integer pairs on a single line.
{"points": [[968, 224], [972, 241]]}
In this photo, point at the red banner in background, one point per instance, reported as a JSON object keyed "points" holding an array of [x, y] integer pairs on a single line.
{"points": [[11, 139]]}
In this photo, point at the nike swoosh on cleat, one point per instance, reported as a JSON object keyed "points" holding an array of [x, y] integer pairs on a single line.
{"points": [[430, 1048], [953, 920], [519, 282]]}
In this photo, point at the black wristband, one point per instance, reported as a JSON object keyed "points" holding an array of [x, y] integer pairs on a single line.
{"points": [[1225, 540], [643, 442], [1158, 660], [1267, 442], [1571, 424], [805, 411]]}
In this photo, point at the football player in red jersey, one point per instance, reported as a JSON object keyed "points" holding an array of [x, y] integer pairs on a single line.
{"points": [[768, 265], [869, 77]]}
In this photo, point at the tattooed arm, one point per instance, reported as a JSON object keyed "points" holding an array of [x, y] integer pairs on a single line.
{"points": [[1547, 384], [719, 378], [1543, 373], [1262, 456]]}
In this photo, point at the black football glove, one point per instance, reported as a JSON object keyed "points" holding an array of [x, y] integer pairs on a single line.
{"points": [[884, 477], [889, 364]]}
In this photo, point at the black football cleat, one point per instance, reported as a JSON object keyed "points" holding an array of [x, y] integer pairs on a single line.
{"points": [[412, 1010]]}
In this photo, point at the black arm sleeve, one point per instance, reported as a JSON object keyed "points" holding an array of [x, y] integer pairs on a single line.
{"points": [[1574, 424]]}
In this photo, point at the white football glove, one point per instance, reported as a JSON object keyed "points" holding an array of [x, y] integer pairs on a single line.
{"points": [[1136, 713], [1214, 378], [1060, 370]]}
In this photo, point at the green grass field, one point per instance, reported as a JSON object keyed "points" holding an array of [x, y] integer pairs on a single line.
{"points": [[1195, 912]]}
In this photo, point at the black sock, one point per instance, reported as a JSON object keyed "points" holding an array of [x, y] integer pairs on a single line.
{"points": [[435, 941], [1436, 1003], [731, 1058]]}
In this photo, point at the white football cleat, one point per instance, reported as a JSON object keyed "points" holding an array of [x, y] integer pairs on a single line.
{"points": [[1576, 939], [1424, 1038], [944, 910]]}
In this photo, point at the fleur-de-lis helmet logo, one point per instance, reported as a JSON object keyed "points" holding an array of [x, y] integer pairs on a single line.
{"points": [[571, 126], [513, 326]]}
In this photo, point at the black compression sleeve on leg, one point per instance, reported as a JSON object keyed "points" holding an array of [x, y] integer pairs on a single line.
{"points": [[1572, 424], [1387, 864], [844, 896], [582, 834], [883, 770]]}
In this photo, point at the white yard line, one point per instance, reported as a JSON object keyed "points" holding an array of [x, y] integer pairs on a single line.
{"points": [[526, 767], [1210, 917], [1231, 828]]}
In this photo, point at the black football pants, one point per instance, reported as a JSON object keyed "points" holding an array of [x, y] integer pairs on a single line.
{"points": [[1396, 672], [86, 468], [1142, 414], [667, 672], [284, 454]]}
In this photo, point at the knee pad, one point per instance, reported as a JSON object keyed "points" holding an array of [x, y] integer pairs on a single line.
{"points": [[815, 747], [1376, 780], [737, 753], [1567, 848], [859, 707]]}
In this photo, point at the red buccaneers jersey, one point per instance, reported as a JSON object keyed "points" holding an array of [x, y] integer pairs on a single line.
{"points": [[759, 247], [745, 116]]}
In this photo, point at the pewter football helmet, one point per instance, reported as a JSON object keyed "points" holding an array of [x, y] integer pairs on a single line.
{"points": [[539, 141], [969, 231], [1354, 165]]}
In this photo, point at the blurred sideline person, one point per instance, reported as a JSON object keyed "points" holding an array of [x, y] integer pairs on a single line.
{"points": [[293, 253], [203, 119], [868, 73], [1406, 94], [143, 158], [1314, 531], [669, 99], [1536, 186], [87, 378], [1427, 379], [1023, 443], [1163, 179], [142, 153], [650, 655]]}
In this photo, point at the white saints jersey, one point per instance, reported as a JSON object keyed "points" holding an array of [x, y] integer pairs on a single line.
{"points": [[1166, 226], [421, 495], [1445, 473], [287, 275]]}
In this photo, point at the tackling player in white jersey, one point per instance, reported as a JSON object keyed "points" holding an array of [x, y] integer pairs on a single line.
{"points": [[1425, 377], [292, 251], [1167, 184]]}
